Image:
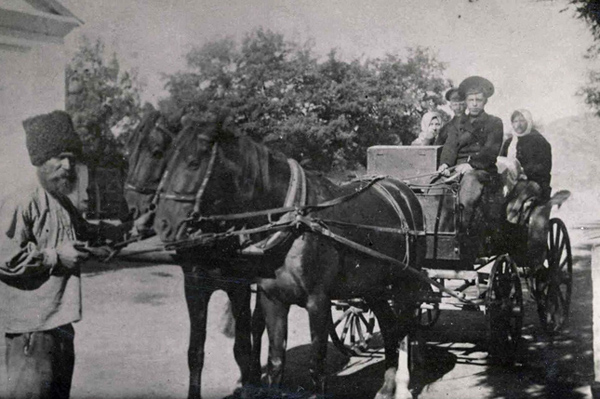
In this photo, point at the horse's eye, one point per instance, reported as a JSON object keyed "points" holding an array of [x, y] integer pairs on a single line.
{"points": [[193, 162]]}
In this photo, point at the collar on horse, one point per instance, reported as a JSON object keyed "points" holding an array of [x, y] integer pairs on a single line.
{"points": [[295, 197]]}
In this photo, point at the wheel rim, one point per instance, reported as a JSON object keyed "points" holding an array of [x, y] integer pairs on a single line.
{"points": [[351, 331], [554, 281], [504, 305]]}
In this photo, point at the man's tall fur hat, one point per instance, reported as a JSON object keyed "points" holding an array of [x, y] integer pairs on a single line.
{"points": [[477, 84], [49, 135]]}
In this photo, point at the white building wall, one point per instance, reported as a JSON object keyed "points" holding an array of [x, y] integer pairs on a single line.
{"points": [[31, 82]]}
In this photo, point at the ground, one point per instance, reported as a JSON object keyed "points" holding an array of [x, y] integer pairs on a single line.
{"points": [[132, 343]]}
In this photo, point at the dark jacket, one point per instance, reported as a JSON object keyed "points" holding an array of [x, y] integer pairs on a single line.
{"points": [[453, 124], [477, 141], [535, 155]]}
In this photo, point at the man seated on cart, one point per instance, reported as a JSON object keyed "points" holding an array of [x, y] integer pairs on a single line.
{"points": [[470, 151]]}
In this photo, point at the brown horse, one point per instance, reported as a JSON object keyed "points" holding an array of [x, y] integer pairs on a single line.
{"points": [[216, 171], [149, 147]]}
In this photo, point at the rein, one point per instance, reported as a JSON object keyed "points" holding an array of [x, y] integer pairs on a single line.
{"points": [[286, 209]]}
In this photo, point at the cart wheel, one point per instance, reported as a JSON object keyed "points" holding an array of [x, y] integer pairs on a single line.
{"points": [[554, 282], [504, 306], [427, 317], [352, 330]]}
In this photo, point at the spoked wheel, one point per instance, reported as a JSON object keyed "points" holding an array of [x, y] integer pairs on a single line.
{"points": [[554, 282], [504, 305], [429, 314], [351, 331]]}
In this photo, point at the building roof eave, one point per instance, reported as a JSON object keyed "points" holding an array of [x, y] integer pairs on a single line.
{"points": [[38, 23]]}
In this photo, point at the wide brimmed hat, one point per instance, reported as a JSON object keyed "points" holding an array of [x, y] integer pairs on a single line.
{"points": [[49, 135], [477, 84], [454, 90]]}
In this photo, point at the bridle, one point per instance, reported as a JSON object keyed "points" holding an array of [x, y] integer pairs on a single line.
{"points": [[195, 198], [145, 190]]}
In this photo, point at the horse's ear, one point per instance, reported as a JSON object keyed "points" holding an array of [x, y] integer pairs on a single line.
{"points": [[226, 126]]}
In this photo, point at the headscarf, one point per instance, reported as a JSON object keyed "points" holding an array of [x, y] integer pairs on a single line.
{"points": [[424, 138], [512, 148], [426, 120]]}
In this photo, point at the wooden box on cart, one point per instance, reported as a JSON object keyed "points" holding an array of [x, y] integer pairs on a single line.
{"points": [[439, 204], [401, 162]]}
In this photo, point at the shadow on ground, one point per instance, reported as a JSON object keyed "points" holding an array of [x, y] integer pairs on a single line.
{"points": [[547, 366]]}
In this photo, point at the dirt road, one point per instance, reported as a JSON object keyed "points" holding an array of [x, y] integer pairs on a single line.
{"points": [[132, 344]]}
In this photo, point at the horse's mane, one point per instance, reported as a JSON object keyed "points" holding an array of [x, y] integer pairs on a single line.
{"points": [[256, 166]]}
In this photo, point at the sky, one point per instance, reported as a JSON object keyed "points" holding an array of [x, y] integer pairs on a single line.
{"points": [[529, 49]]}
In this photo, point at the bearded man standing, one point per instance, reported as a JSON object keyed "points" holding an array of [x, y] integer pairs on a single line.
{"points": [[42, 245]]}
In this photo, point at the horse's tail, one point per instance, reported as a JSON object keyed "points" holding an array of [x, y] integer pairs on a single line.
{"points": [[227, 322]]}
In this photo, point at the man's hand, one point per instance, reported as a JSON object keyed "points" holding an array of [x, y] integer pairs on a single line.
{"points": [[70, 254], [463, 168], [101, 253], [444, 170]]}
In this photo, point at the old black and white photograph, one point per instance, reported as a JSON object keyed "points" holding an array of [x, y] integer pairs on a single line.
{"points": [[388, 199]]}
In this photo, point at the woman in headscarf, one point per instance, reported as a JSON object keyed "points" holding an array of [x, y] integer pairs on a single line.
{"points": [[431, 123], [531, 149]]}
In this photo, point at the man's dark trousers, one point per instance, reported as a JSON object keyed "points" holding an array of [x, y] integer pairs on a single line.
{"points": [[40, 364]]}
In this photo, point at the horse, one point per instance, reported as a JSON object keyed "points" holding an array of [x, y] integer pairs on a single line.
{"points": [[214, 170], [148, 148]]}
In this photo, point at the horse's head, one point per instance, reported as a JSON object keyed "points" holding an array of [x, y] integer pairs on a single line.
{"points": [[148, 149], [202, 177]]}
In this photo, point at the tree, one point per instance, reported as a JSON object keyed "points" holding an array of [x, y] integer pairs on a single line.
{"points": [[101, 99], [323, 113], [589, 11]]}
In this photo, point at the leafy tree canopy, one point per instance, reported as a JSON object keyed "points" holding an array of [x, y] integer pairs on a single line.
{"points": [[103, 101], [589, 11], [322, 112]]}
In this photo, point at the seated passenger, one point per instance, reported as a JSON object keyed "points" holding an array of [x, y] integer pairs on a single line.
{"points": [[472, 149], [456, 98], [430, 126], [531, 149]]}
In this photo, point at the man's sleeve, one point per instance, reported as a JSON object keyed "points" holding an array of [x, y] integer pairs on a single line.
{"points": [[450, 150], [19, 252], [486, 157]]}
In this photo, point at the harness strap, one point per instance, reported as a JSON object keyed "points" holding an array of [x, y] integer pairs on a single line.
{"points": [[209, 170], [316, 227], [303, 209], [401, 230]]}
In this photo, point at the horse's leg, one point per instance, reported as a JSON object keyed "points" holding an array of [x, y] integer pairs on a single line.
{"points": [[197, 295], [276, 318], [239, 297], [409, 371], [393, 329], [258, 328], [391, 335], [318, 307]]}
